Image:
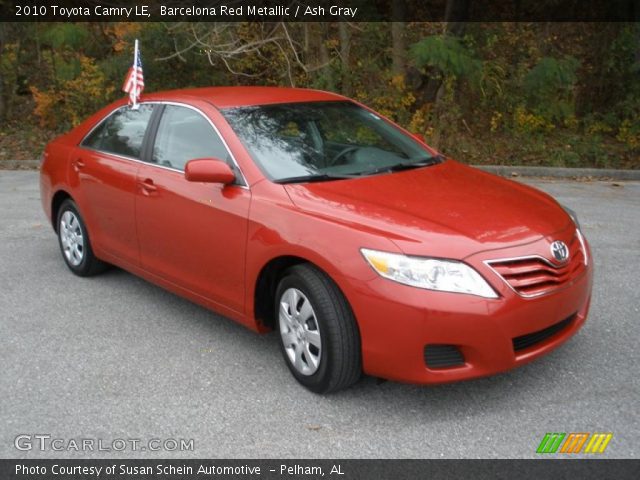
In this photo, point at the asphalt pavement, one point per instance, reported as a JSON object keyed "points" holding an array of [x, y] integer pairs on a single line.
{"points": [[115, 357]]}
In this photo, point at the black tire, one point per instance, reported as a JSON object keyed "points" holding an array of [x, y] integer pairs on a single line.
{"points": [[340, 364], [89, 265]]}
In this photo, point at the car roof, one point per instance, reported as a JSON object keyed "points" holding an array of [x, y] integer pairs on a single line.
{"points": [[229, 97]]}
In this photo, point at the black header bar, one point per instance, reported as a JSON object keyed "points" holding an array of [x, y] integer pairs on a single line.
{"points": [[321, 10]]}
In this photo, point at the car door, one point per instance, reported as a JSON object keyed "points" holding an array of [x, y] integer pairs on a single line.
{"points": [[104, 168], [192, 234]]}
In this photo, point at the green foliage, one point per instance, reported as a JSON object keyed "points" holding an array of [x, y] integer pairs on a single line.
{"points": [[552, 75], [526, 93], [73, 36], [629, 133], [446, 53], [550, 89]]}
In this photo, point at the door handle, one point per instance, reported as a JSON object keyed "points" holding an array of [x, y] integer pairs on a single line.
{"points": [[148, 186], [78, 164]]}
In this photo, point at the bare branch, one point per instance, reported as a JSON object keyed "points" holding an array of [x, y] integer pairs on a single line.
{"points": [[224, 41]]}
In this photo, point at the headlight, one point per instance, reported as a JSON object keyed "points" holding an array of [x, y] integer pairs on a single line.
{"points": [[573, 215], [429, 273]]}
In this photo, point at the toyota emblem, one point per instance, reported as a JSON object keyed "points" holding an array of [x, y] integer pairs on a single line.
{"points": [[560, 251]]}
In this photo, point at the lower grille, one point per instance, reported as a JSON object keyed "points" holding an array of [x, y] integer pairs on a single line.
{"points": [[531, 339], [442, 356]]}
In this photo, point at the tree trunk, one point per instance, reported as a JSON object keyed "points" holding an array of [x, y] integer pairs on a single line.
{"points": [[456, 14], [305, 43], [637, 27], [345, 51], [321, 32], [3, 99], [398, 47]]}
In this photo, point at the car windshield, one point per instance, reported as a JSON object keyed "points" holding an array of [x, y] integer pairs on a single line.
{"points": [[323, 141]]}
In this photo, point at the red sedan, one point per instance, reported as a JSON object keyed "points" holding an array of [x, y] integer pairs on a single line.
{"points": [[306, 212]]}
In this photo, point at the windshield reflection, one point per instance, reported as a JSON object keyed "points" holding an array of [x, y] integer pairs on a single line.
{"points": [[321, 139]]}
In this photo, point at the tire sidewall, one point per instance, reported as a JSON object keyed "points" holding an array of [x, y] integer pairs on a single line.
{"points": [[318, 381], [82, 267]]}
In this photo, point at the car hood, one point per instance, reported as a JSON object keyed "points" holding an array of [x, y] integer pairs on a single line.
{"points": [[436, 210]]}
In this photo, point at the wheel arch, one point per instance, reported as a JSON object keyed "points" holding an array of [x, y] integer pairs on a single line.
{"points": [[265, 287], [267, 282], [56, 201]]}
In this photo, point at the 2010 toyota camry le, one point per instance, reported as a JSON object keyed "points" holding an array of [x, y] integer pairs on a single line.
{"points": [[306, 212]]}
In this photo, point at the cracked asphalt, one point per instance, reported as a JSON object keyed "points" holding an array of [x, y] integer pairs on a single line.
{"points": [[115, 357]]}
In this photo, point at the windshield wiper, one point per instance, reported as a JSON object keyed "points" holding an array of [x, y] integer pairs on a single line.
{"points": [[314, 177], [323, 177], [397, 167]]}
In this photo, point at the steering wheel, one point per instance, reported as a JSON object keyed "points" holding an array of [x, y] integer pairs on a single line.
{"points": [[341, 154]]}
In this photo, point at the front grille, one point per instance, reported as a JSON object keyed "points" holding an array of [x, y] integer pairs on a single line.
{"points": [[531, 339], [532, 276], [443, 356]]}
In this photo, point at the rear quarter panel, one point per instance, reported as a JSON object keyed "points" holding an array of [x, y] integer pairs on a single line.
{"points": [[54, 173], [54, 170]]}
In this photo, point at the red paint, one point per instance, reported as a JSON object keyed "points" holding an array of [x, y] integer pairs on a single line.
{"points": [[208, 170], [209, 241]]}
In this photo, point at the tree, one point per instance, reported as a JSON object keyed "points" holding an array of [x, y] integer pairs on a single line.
{"points": [[398, 46]]}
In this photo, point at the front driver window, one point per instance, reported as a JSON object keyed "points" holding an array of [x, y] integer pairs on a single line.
{"points": [[184, 134]]}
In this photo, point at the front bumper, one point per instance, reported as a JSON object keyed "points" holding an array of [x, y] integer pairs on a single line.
{"points": [[396, 323]]}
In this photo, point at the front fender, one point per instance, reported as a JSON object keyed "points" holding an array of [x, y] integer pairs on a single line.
{"points": [[277, 228]]}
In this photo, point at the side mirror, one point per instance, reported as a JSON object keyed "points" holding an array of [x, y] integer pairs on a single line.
{"points": [[208, 170], [418, 137]]}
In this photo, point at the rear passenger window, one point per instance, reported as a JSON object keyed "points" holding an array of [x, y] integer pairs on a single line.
{"points": [[184, 134], [95, 137], [122, 133]]}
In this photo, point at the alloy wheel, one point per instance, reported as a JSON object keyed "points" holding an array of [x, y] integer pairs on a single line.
{"points": [[300, 331], [72, 238]]}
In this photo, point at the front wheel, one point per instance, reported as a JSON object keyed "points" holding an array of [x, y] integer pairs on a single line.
{"points": [[319, 337], [74, 242]]}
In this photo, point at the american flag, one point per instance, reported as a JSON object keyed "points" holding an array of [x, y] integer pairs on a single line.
{"points": [[134, 81]]}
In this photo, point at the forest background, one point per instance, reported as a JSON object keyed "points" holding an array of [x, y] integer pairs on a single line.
{"points": [[556, 94]]}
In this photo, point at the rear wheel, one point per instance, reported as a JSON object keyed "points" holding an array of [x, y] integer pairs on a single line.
{"points": [[75, 246], [319, 337]]}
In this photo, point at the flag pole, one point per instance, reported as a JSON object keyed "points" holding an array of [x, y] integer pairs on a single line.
{"points": [[135, 76]]}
